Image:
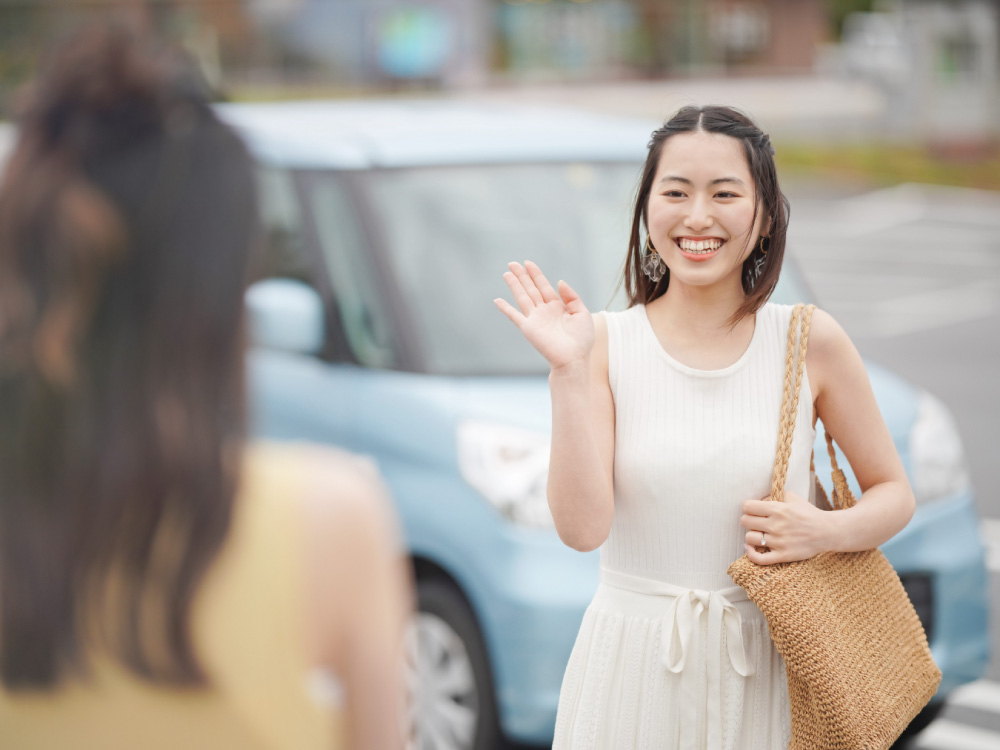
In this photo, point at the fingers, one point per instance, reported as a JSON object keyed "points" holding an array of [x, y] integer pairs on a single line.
{"points": [[763, 508], [765, 557], [760, 522], [507, 309], [520, 293], [571, 299], [544, 287], [531, 289], [754, 538], [527, 283]]}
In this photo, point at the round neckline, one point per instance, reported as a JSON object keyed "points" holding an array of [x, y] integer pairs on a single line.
{"points": [[687, 369]]}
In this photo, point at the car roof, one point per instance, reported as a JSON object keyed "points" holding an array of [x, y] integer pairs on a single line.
{"points": [[410, 132]]}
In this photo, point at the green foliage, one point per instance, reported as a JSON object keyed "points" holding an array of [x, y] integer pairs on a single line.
{"points": [[882, 164]]}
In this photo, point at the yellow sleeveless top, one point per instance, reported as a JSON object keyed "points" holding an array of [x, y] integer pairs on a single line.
{"points": [[249, 625]]}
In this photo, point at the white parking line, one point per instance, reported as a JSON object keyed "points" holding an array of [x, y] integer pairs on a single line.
{"points": [[907, 203], [935, 308], [950, 735], [982, 695], [922, 255], [922, 310]]}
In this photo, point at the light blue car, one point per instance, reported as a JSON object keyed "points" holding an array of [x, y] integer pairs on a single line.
{"points": [[388, 225]]}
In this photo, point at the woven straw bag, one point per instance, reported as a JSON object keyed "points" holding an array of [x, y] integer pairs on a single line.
{"points": [[858, 665]]}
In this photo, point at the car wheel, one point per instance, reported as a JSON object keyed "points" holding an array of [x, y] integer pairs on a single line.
{"points": [[448, 676]]}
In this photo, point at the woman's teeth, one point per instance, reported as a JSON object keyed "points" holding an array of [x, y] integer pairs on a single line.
{"points": [[699, 247]]}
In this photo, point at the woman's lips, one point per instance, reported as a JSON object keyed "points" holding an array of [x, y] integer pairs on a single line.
{"points": [[698, 255]]}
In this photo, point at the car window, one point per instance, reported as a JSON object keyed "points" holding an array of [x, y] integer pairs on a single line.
{"points": [[284, 254], [363, 313], [449, 233]]}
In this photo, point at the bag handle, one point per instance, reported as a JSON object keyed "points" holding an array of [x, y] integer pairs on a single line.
{"points": [[795, 361], [829, 449], [842, 496]]}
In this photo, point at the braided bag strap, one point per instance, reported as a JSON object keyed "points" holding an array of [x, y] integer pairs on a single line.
{"points": [[795, 362]]}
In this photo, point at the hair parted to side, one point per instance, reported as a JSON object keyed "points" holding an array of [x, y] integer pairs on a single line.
{"points": [[127, 213], [768, 199]]}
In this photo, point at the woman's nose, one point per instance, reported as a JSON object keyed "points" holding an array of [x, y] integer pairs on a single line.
{"points": [[699, 216]]}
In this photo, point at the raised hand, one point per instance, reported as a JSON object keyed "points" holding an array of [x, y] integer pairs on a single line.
{"points": [[556, 323]]}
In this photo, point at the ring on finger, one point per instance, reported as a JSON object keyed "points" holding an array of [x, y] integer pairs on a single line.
{"points": [[763, 540]]}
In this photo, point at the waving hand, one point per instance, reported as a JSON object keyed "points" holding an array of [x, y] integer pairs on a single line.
{"points": [[556, 323]]}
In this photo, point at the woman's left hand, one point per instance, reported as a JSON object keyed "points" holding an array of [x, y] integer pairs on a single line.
{"points": [[793, 530]]}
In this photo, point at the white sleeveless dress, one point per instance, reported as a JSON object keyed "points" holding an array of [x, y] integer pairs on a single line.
{"points": [[671, 654]]}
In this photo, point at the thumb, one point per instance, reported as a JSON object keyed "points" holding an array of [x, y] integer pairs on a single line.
{"points": [[570, 298]]}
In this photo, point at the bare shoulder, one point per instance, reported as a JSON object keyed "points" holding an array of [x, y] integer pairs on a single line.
{"points": [[827, 338], [601, 326], [346, 503], [831, 354]]}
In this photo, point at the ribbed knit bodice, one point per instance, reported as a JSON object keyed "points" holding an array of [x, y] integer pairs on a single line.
{"points": [[692, 445]]}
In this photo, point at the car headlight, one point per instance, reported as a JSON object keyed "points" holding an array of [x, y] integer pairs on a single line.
{"points": [[939, 468], [509, 467]]}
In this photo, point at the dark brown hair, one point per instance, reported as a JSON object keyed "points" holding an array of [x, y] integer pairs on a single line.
{"points": [[127, 211], [767, 198]]}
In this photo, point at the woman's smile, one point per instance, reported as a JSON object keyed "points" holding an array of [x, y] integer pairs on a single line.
{"points": [[698, 248]]}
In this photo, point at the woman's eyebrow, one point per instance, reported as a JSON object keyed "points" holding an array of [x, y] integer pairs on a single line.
{"points": [[686, 181]]}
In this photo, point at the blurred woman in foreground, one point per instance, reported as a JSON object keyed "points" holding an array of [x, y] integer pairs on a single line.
{"points": [[163, 583]]}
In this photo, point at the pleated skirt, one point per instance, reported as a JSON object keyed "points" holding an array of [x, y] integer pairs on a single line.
{"points": [[618, 692]]}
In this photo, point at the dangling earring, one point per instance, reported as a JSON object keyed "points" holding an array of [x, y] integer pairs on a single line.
{"points": [[652, 264], [753, 271]]}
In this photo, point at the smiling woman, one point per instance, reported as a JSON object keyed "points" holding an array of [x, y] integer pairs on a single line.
{"points": [[664, 426]]}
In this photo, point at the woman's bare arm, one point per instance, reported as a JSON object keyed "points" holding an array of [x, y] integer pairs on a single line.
{"points": [[846, 405], [559, 326], [581, 462]]}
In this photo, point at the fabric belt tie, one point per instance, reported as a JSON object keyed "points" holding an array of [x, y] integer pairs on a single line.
{"points": [[679, 634]]}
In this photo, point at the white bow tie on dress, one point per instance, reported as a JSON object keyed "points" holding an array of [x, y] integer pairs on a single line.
{"points": [[679, 637]]}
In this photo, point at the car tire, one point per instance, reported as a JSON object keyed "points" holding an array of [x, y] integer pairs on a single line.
{"points": [[452, 704]]}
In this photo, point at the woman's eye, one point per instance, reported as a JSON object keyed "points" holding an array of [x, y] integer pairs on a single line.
{"points": [[725, 194], [674, 194]]}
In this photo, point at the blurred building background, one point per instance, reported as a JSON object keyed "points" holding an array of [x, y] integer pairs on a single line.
{"points": [[923, 70]]}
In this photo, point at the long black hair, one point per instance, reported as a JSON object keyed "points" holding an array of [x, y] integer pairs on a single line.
{"points": [[768, 200], [127, 215]]}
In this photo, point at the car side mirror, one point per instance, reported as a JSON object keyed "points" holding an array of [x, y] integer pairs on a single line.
{"points": [[286, 315]]}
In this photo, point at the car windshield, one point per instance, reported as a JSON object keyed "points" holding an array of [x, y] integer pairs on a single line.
{"points": [[449, 232]]}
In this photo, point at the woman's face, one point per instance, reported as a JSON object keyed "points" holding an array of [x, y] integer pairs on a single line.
{"points": [[700, 209]]}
